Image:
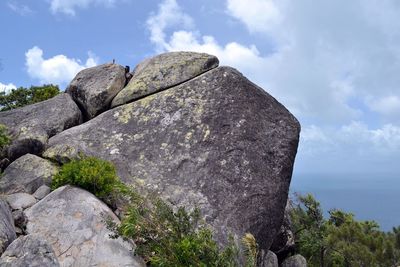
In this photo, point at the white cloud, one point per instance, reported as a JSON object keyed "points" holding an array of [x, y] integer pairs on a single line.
{"points": [[20, 9], [388, 105], [257, 15], [169, 14], [7, 87], [58, 69], [351, 147], [69, 6]]}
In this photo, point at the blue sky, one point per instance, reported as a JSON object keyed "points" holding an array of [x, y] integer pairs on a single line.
{"points": [[334, 64]]}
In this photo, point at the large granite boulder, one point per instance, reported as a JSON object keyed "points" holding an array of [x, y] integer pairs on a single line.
{"points": [[31, 126], [73, 222], [295, 261], [94, 88], [27, 174], [164, 71], [217, 142], [30, 250], [7, 231]]}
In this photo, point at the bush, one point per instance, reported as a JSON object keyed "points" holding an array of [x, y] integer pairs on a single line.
{"points": [[165, 237], [92, 174], [4, 137]]}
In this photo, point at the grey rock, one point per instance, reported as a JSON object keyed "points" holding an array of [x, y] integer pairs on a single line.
{"points": [[284, 244], [27, 174], [20, 201], [164, 71], [217, 142], [295, 261], [7, 231], [42, 191], [267, 259], [72, 221], [94, 88], [30, 250], [31, 126]]}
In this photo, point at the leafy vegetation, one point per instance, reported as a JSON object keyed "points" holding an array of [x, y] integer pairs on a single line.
{"points": [[25, 96], [163, 236], [340, 240], [4, 137], [92, 174]]}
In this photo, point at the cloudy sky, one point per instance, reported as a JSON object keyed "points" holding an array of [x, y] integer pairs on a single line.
{"points": [[334, 64]]}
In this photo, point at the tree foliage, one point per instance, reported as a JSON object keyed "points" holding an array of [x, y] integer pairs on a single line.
{"points": [[341, 240], [26, 96]]}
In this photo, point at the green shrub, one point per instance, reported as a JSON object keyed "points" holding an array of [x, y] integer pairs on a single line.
{"points": [[4, 137], [165, 237], [92, 174]]}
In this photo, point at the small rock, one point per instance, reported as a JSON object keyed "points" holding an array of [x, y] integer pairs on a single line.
{"points": [[19, 231], [295, 261], [94, 88], [268, 259], [27, 174], [20, 201], [7, 231], [30, 250], [41, 192]]}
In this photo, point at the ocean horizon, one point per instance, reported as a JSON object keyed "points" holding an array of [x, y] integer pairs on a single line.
{"points": [[368, 196]]}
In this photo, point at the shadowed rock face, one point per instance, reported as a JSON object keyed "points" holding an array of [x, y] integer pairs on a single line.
{"points": [[163, 71], [94, 88], [30, 250], [31, 126], [73, 222], [217, 141]]}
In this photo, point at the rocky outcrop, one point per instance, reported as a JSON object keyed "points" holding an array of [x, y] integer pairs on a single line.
{"points": [[164, 71], [217, 141], [7, 231], [20, 201], [73, 222], [295, 261], [31, 126], [30, 250], [94, 88], [27, 174]]}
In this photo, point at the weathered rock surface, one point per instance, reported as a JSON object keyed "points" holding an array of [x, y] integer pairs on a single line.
{"points": [[218, 142], [7, 231], [94, 88], [42, 191], [27, 174], [31, 126], [30, 250], [72, 221], [268, 259], [295, 261], [20, 201], [163, 71]]}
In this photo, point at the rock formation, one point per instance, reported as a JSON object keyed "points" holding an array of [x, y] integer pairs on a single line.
{"points": [[196, 134]]}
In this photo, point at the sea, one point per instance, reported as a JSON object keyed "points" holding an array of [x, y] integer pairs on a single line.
{"points": [[369, 196]]}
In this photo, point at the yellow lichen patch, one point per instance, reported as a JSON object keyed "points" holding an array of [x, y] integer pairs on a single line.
{"points": [[144, 102], [124, 114], [163, 146], [206, 131]]}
